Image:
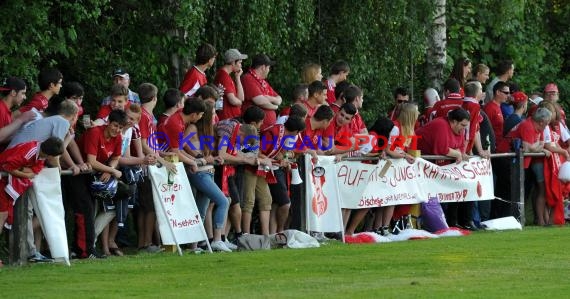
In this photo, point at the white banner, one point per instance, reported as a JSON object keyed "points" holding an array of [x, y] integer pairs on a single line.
{"points": [[178, 218], [360, 185], [322, 203], [47, 201]]}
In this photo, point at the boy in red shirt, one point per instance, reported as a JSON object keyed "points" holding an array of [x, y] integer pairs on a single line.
{"points": [[119, 101], [50, 81], [233, 90], [23, 162]]}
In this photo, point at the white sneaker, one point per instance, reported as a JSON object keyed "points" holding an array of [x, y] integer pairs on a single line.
{"points": [[231, 245], [220, 246]]}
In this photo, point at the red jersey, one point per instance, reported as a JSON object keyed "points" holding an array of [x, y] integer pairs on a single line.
{"points": [[335, 107], [312, 139], [104, 112], [224, 79], [527, 132], [474, 109], [357, 124], [5, 119], [173, 127], [22, 155], [426, 117], [193, 80], [146, 124], [452, 102], [38, 101], [493, 111], [437, 138], [254, 86], [310, 109], [93, 142]]}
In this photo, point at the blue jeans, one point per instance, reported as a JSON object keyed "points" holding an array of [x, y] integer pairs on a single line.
{"points": [[208, 191]]}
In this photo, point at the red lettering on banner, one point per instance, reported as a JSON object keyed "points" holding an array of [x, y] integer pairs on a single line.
{"points": [[429, 171], [185, 223], [170, 187], [350, 179]]}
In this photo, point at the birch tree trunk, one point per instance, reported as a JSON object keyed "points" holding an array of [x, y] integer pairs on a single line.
{"points": [[437, 43]]}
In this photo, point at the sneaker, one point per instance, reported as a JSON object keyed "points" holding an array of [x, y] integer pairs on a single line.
{"points": [[39, 258], [196, 250], [220, 246], [96, 255], [230, 245], [151, 249]]}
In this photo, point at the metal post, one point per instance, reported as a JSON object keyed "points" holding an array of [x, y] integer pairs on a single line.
{"points": [[517, 185]]}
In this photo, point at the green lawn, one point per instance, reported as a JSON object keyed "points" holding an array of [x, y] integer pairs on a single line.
{"points": [[530, 263]]}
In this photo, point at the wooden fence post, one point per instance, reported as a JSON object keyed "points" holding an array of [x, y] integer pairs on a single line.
{"points": [[18, 234]]}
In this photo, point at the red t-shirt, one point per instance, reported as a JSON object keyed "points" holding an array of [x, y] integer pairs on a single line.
{"points": [[330, 91], [146, 124], [93, 142], [357, 124], [312, 139], [335, 107], [38, 101], [425, 118], [193, 80], [525, 131], [173, 127], [493, 111], [104, 111], [437, 138], [310, 109], [253, 87], [5, 114], [442, 107], [474, 110], [339, 133], [229, 110]]}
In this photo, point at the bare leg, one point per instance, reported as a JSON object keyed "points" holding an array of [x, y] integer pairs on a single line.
{"points": [[149, 221], [387, 213], [345, 217], [246, 222], [282, 216], [105, 240], [234, 216], [264, 219], [355, 220], [273, 219], [208, 221], [540, 204]]}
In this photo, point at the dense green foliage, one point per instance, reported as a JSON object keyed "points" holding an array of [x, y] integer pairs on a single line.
{"points": [[511, 264], [384, 41]]}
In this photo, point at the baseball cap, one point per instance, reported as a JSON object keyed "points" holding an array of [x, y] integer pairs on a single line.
{"points": [[12, 83], [519, 97], [550, 87], [537, 100], [121, 73], [261, 59], [232, 55]]}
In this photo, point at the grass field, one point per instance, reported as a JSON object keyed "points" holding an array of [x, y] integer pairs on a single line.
{"points": [[531, 263]]}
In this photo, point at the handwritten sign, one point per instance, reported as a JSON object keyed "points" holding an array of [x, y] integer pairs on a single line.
{"points": [[178, 218], [323, 206], [362, 185]]}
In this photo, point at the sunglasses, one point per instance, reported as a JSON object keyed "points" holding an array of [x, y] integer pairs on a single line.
{"points": [[402, 101], [505, 92]]}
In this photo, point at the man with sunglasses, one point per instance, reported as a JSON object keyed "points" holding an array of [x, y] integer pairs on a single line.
{"points": [[501, 93], [400, 96]]}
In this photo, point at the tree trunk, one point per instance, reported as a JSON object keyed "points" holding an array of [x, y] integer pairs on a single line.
{"points": [[437, 43]]}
